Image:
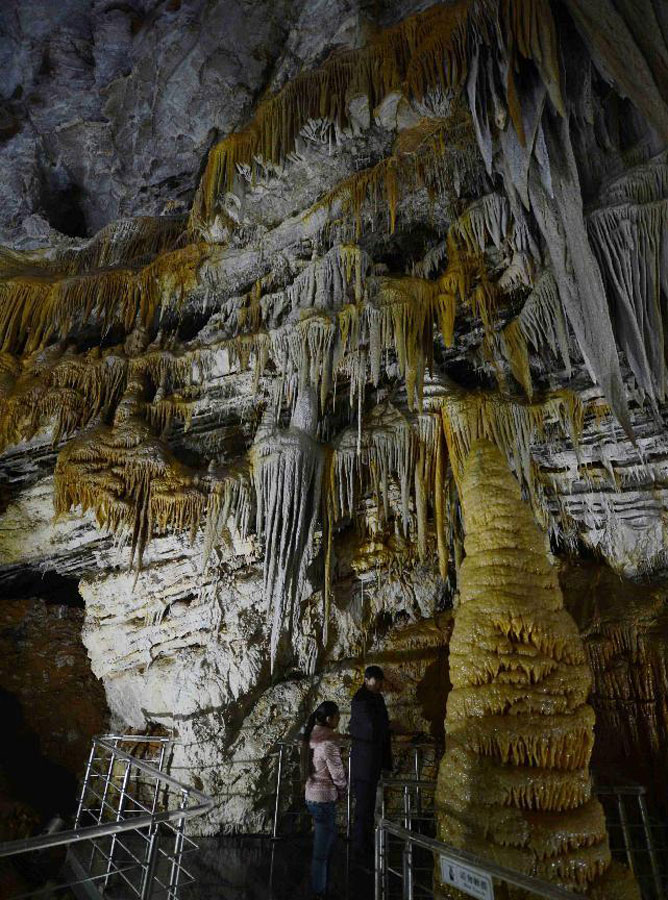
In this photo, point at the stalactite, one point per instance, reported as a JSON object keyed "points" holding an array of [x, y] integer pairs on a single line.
{"points": [[629, 235], [287, 470], [629, 45], [431, 155], [514, 427], [164, 410], [401, 449], [538, 167], [402, 317], [481, 45], [134, 484], [326, 282], [117, 244], [230, 498], [60, 387], [486, 219], [427, 51], [36, 307], [513, 784], [541, 324]]}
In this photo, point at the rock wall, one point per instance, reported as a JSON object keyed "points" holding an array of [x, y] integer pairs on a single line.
{"points": [[192, 654], [624, 629]]}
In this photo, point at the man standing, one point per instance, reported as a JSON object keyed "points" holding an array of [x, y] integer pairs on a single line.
{"points": [[371, 753]]}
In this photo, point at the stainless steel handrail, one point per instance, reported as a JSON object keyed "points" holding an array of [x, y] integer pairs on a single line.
{"points": [[409, 782], [630, 847], [415, 747], [134, 846], [89, 832], [459, 857]]}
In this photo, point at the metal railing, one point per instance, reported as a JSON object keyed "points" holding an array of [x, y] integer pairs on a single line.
{"points": [[636, 837], [130, 824], [412, 807], [632, 831], [415, 755], [463, 867]]}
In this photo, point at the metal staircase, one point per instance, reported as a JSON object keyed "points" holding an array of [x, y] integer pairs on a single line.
{"points": [[129, 835]]}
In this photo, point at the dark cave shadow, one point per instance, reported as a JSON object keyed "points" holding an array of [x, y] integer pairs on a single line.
{"points": [[29, 776], [432, 693]]}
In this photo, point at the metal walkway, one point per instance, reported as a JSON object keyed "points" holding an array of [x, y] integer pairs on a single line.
{"points": [[404, 862], [406, 850], [129, 835], [129, 838]]}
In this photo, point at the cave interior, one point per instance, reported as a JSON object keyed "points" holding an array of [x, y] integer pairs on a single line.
{"points": [[334, 335]]}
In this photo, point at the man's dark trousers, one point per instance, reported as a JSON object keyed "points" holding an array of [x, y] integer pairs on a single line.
{"points": [[365, 807]]}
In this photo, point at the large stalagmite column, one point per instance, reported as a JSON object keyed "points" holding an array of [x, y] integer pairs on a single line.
{"points": [[514, 783]]}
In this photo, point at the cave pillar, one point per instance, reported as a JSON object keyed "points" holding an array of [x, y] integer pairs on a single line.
{"points": [[514, 783]]}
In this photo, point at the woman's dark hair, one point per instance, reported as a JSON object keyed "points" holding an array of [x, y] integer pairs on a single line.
{"points": [[318, 717]]}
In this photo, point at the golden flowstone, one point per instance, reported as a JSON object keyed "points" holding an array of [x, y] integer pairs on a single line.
{"points": [[514, 785]]}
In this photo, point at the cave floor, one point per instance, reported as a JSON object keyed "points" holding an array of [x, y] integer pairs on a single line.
{"points": [[257, 868]]}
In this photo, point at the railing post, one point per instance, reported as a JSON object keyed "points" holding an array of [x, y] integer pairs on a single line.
{"points": [[149, 868], [153, 837], [408, 847], [105, 791], [654, 863], [385, 853], [625, 830], [84, 786], [119, 816], [380, 862], [417, 765], [349, 796], [277, 804], [178, 851], [376, 864], [161, 760]]}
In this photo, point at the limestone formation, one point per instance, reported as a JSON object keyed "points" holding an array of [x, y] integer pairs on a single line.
{"points": [[514, 784]]}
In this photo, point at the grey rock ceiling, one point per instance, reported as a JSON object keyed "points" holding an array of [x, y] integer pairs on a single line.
{"points": [[108, 109]]}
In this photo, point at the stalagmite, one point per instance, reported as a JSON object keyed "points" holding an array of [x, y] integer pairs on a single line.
{"points": [[513, 785]]}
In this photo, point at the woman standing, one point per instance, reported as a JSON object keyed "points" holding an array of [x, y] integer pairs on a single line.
{"points": [[325, 784]]}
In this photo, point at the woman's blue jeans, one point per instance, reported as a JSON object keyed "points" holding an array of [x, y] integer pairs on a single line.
{"points": [[324, 836]]}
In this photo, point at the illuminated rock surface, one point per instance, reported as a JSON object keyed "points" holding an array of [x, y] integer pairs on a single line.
{"points": [[271, 269]]}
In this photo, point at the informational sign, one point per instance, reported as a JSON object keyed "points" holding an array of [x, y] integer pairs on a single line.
{"points": [[469, 880]]}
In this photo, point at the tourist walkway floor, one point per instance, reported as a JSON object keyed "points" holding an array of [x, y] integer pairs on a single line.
{"points": [[256, 868]]}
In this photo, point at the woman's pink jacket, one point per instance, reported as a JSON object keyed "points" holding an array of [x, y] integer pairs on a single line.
{"points": [[327, 781]]}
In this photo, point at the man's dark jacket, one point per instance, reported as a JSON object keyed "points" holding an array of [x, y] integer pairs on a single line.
{"points": [[370, 732]]}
